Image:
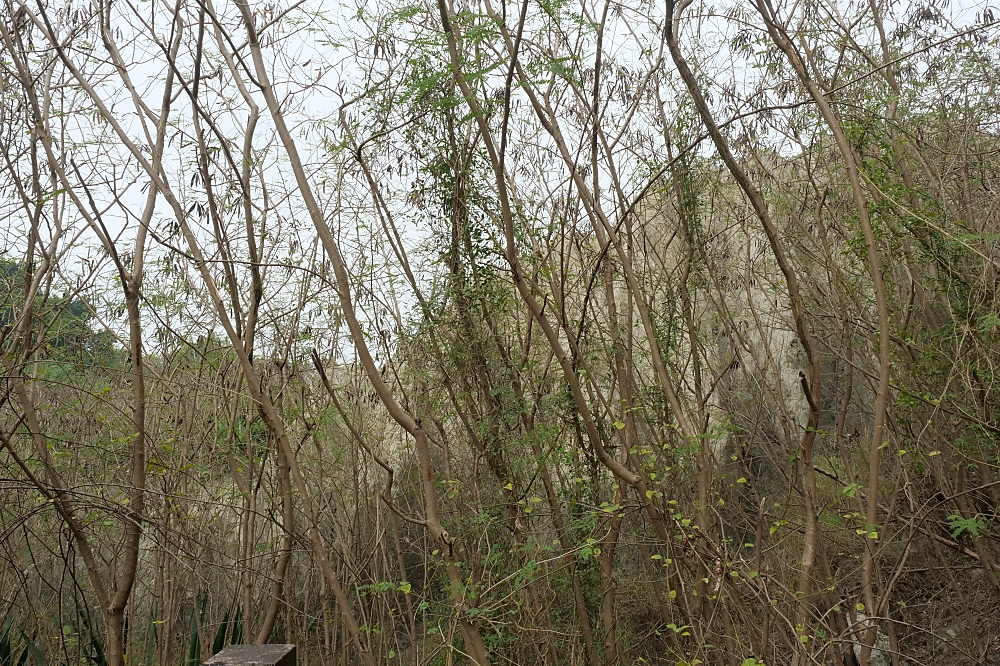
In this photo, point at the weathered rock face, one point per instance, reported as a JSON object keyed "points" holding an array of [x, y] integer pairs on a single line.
{"points": [[881, 650]]}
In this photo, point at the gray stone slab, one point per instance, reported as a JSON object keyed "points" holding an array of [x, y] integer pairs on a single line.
{"points": [[254, 655]]}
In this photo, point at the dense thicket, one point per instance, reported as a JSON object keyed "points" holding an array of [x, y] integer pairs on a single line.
{"points": [[539, 333]]}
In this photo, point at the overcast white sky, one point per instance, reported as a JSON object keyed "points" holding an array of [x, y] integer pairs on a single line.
{"points": [[316, 67]]}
